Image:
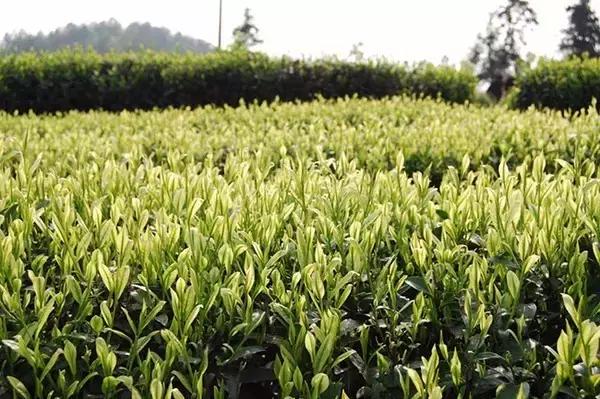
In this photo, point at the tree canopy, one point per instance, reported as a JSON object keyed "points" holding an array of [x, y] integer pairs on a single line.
{"points": [[496, 54], [246, 35], [583, 33]]}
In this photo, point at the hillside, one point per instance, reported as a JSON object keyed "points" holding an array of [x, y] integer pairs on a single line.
{"points": [[104, 37]]}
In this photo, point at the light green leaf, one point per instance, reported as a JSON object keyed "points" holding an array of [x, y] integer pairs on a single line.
{"points": [[18, 387]]}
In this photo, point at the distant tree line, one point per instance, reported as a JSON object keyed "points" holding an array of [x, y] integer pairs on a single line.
{"points": [[104, 37], [110, 35], [497, 54]]}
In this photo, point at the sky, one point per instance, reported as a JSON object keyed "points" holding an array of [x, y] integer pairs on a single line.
{"points": [[399, 30]]}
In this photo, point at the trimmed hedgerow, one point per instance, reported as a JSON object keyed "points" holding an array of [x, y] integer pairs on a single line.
{"points": [[85, 80], [565, 85]]}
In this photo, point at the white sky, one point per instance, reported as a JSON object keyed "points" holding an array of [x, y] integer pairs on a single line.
{"points": [[401, 30]]}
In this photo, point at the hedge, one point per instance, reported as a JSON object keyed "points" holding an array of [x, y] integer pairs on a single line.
{"points": [[570, 84], [83, 80]]}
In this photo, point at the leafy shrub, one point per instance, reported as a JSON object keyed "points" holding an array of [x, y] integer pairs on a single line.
{"points": [[84, 80], [300, 251], [565, 85]]}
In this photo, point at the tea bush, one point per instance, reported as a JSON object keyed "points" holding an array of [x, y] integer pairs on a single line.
{"points": [[68, 80], [300, 251], [565, 85]]}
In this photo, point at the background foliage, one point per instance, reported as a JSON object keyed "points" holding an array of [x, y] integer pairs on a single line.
{"points": [[103, 37], [83, 80], [570, 84]]}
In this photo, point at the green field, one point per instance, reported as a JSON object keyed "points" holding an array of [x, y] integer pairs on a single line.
{"points": [[352, 248]]}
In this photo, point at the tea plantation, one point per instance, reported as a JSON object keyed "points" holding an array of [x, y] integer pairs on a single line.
{"points": [[352, 248]]}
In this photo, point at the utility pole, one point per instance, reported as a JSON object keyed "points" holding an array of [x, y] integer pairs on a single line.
{"points": [[220, 20]]}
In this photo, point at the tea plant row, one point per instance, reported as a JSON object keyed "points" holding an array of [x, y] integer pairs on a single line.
{"points": [[300, 251]]}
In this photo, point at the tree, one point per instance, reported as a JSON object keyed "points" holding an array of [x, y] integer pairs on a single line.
{"points": [[246, 35], [356, 53], [583, 34], [496, 55]]}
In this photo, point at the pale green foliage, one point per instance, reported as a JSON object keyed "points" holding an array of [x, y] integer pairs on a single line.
{"points": [[187, 253]]}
